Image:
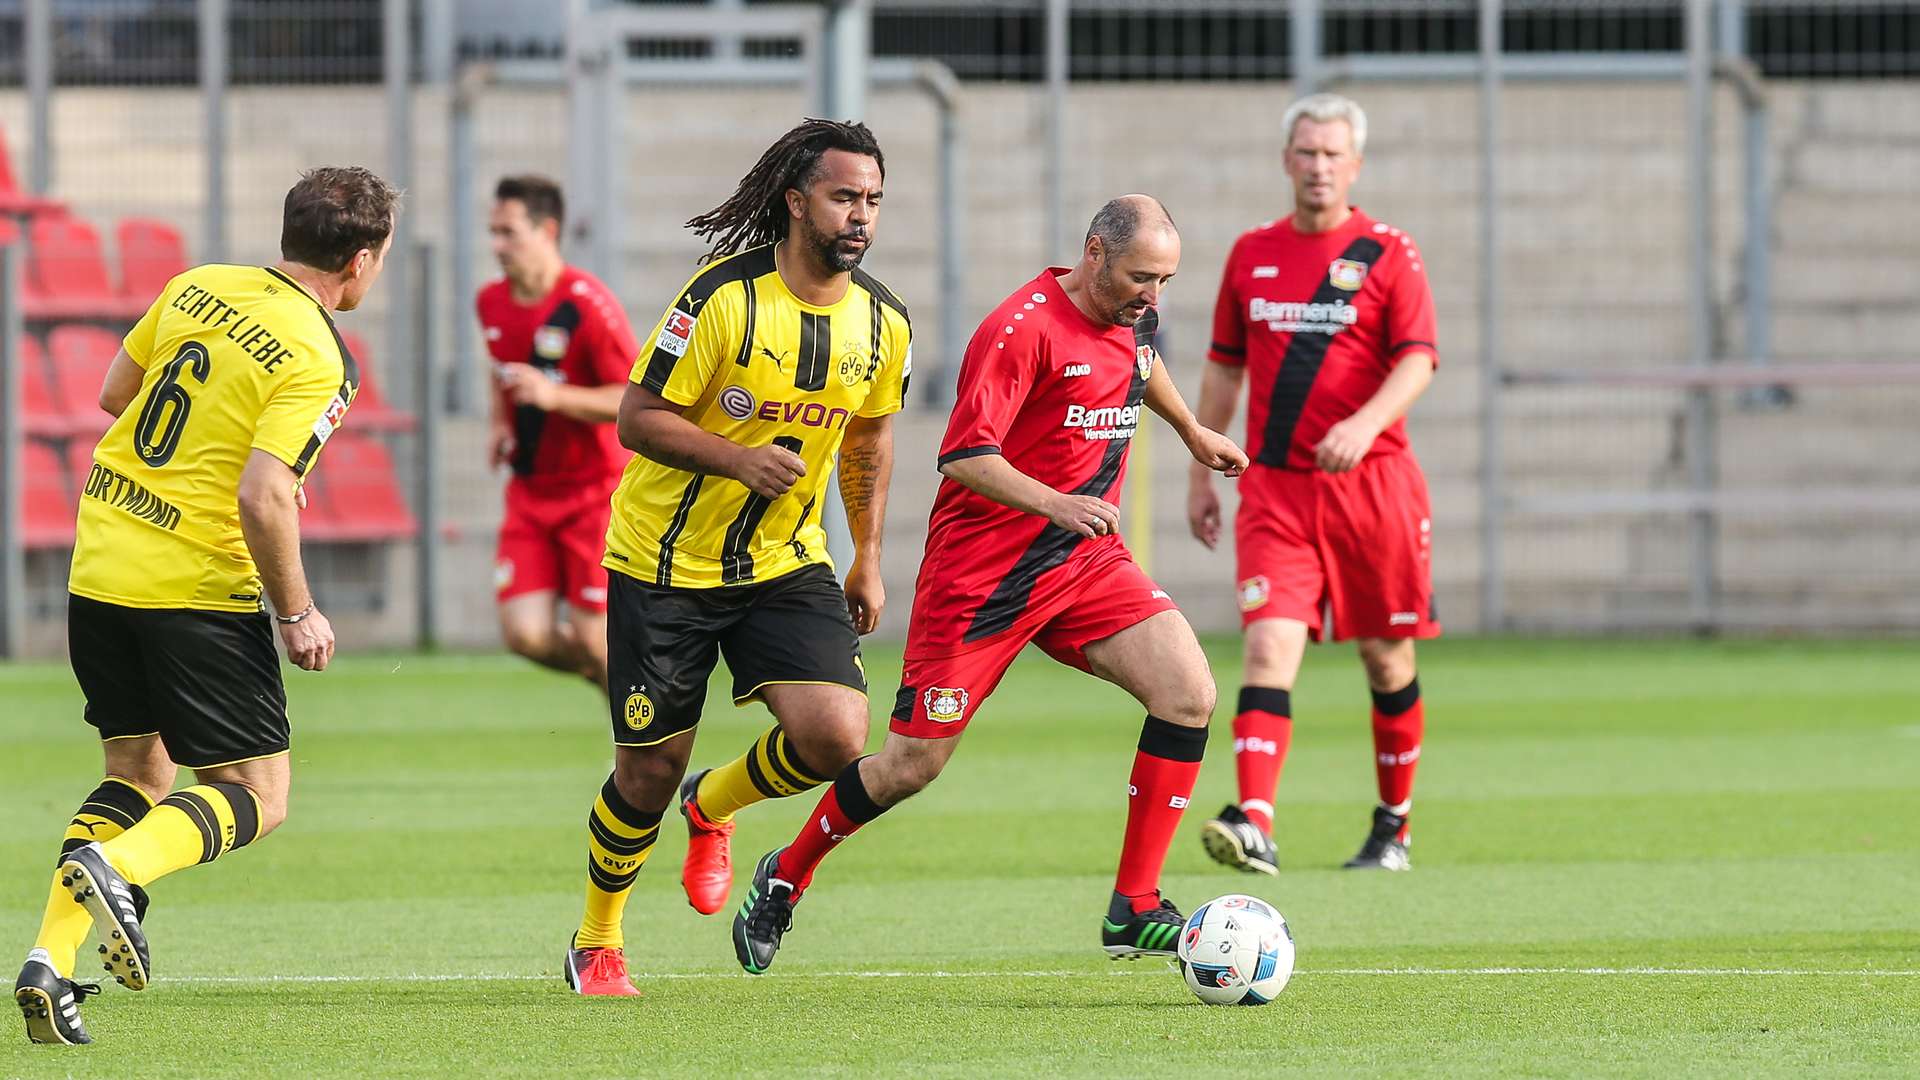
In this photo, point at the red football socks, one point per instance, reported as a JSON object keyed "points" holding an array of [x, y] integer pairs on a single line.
{"points": [[842, 810], [1398, 723], [1164, 771], [1261, 731]]}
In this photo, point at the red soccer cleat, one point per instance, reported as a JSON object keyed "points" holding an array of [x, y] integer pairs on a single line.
{"points": [[599, 972], [708, 872]]}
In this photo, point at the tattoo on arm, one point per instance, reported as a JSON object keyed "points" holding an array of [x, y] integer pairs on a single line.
{"points": [[859, 476]]}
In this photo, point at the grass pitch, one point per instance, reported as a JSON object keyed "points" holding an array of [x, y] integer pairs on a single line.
{"points": [[1651, 859]]}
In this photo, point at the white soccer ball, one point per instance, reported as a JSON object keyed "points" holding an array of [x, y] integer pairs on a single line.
{"points": [[1236, 950]]}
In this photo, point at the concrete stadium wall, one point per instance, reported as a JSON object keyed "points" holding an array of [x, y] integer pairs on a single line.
{"points": [[1593, 267]]}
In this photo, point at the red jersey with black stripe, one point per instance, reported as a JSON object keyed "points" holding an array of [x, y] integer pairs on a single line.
{"points": [[1059, 396], [576, 334], [1319, 320]]}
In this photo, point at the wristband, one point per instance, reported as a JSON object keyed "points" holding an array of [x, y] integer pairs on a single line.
{"points": [[289, 620]]}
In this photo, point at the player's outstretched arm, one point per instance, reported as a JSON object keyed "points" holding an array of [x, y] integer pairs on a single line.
{"points": [[1346, 443], [269, 518], [866, 468], [652, 426], [994, 477], [1208, 447]]}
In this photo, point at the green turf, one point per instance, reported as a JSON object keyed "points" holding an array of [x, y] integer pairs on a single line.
{"points": [[1692, 808]]}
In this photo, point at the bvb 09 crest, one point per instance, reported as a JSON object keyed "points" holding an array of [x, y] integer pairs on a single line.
{"points": [[639, 711]]}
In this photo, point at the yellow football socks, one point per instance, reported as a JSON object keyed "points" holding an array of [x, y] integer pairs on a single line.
{"points": [[768, 770], [619, 838], [113, 808], [191, 826]]}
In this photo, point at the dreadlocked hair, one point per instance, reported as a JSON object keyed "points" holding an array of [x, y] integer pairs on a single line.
{"points": [[756, 212]]}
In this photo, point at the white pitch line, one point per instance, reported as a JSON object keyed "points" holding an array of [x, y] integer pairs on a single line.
{"points": [[1794, 972], [1309, 972]]}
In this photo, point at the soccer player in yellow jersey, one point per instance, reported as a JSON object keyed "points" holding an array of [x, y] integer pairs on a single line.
{"points": [[780, 354], [223, 395]]}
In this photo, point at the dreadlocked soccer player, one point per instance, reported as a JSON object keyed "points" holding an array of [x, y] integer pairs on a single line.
{"points": [[777, 355]]}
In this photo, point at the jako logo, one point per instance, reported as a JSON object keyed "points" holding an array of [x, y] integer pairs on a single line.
{"points": [[1074, 371], [805, 413]]}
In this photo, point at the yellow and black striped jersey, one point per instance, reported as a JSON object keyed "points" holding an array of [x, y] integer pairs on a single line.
{"points": [[753, 363], [236, 359]]}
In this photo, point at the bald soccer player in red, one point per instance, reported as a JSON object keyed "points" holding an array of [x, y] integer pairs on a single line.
{"points": [[1327, 313], [1024, 548]]}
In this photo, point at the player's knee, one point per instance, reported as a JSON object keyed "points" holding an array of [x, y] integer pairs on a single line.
{"points": [[647, 776], [271, 799], [828, 748], [1271, 656], [531, 641], [901, 776], [155, 780], [1389, 664], [1192, 707]]}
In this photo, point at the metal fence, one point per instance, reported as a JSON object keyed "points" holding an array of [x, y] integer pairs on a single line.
{"points": [[1631, 205]]}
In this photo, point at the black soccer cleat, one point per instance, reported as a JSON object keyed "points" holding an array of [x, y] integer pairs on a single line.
{"points": [[1384, 849], [764, 917], [1127, 934], [1235, 841], [50, 1003], [107, 896]]}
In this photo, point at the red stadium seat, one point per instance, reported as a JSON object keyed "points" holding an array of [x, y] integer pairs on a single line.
{"points": [[67, 273], [355, 493], [14, 200], [370, 409], [50, 501], [81, 356], [151, 253], [38, 407]]}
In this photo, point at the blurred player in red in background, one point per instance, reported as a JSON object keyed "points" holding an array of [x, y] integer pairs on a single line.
{"points": [[1331, 312], [562, 347], [1024, 547]]}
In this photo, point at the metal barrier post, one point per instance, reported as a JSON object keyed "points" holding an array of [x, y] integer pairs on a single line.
{"points": [[847, 56], [1702, 572], [427, 464], [470, 382], [213, 94], [940, 81], [37, 43], [13, 553], [1492, 496], [1303, 29], [1057, 237], [398, 66]]}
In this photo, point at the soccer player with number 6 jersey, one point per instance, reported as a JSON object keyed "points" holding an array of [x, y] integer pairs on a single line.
{"points": [[224, 395], [1024, 547], [1328, 315]]}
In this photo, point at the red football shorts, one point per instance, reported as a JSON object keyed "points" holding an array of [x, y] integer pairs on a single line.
{"points": [[939, 694], [553, 541], [1358, 544]]}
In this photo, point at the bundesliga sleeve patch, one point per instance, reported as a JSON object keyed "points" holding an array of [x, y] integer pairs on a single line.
{"points": [[324, 427], [676, 332]]}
